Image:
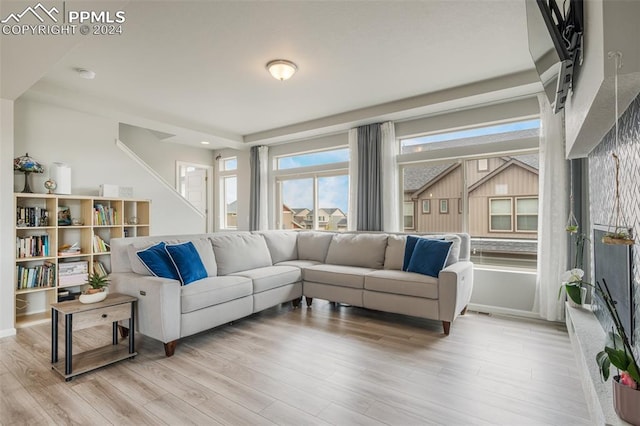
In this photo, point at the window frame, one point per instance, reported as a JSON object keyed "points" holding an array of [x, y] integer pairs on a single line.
{"points": [[427, 203], [443, 206], [223, 175], [510, 199], [413, 214], [518, 198], [486, 165]]}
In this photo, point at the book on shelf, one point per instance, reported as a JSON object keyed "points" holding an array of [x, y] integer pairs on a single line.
{"points": [[99, 245], [98, 268], [32, 246], [31, 216], [104, 215], [37, 276]]}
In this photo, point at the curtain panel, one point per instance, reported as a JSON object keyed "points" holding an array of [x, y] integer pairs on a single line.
{"points": [[258, 193], [369, 197], [553, 210]]}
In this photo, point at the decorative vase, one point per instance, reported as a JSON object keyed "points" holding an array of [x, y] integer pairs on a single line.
{"points": [[93, 297], [626, 402]]}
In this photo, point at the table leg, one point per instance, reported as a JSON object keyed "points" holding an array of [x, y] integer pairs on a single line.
{"points": [[54, 336], [115, 332], [68, 348], [132, 331]]}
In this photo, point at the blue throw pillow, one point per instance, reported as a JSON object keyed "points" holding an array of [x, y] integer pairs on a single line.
{"points": [[408, 250], [157, 261], [187, 261], [429, 256]]}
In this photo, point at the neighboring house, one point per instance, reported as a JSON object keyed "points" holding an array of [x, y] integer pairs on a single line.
{"points": [[503, 197], [329, 219]]}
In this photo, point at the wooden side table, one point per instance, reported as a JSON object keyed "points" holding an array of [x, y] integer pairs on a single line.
{"points": [[77, 316]]}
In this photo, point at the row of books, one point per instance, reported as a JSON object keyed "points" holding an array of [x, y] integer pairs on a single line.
{"points": [[31, 216], [99, 268], [99, 245], [37, 276], [104, 215], [32, 246]]}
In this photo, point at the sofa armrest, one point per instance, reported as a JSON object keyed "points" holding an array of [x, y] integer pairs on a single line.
{"points": [[455, 283], [158, 306]]}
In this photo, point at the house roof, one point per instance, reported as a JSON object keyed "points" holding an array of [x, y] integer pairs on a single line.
{"points": [[511, 163], [416, 177], [435, 179]]}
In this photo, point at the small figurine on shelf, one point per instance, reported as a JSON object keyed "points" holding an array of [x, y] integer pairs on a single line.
{"points": [[50, 185]]}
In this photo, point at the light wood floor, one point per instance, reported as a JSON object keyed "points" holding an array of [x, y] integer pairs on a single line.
{"points": [[326, 365]]}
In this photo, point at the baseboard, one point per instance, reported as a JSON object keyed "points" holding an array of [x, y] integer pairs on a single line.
{"points": [[488, 309], [7, 332]]}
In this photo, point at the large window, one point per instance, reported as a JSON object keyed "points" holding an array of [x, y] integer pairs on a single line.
{"points": [[313, 190], [228, 193], [496, 197]]}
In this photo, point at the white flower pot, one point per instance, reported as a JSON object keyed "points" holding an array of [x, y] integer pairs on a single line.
{"points": [[94, 298]]}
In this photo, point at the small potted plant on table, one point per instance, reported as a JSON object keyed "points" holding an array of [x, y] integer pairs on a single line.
{"points": [[97, 290]]}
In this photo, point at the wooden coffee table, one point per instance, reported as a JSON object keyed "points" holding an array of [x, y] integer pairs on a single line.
{"points": [[77, 316]]}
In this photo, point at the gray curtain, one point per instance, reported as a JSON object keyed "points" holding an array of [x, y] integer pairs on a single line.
{"points": [[254, 192], [369, 202]]}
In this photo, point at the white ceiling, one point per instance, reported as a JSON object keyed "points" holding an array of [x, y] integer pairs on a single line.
{"points": [[197, 69]]}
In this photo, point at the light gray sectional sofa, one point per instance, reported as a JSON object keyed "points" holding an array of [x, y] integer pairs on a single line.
{"points": [[249, 272]]}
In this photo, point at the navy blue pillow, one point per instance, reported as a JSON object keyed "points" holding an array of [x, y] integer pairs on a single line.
{"points": [[157, 261], [429, 256], [408, 250], [187, 261]]}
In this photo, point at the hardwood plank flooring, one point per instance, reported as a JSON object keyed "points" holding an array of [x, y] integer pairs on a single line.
{"points": [[328, 365]]}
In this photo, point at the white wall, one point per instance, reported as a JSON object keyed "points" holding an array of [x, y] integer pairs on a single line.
{"points": [[160, 155], [87, 144], [7, 217]]}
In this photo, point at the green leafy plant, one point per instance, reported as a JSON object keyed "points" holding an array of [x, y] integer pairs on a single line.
{"points": [[97, 281], [617, 350]]}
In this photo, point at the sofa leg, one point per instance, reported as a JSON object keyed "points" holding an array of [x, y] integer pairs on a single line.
{"points": [[124, 332], [170, 348], [446, 325], [464, 311], [296, 302], [309, 300]]}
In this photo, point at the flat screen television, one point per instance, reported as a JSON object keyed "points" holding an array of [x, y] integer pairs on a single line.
{"points": [[554, 43], [612, 263]]}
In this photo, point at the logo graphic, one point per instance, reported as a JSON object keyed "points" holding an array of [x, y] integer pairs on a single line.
{"points": [[16, 17]]}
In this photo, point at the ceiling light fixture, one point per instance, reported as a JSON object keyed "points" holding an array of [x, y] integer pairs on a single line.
{"points": [[205, 142], [86, 74], [281, 69]]}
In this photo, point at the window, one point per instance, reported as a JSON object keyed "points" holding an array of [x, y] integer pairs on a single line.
{"points": [[313, 190], [526, 214], [444, 206], [228, 184], [480, 135], [500, 214], [313, 159], [496, 206], [426, 206], [408, 215]]}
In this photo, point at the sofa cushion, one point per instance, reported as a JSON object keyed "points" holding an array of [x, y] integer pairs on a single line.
{"points": [[400, 282], [313, 245], [345, 276], [394, 253], [157, 261], [212, 291], [364, 250], [240, 252], [186, 260], [283, 245], [299, 263], [271, 277], [429, 256]]}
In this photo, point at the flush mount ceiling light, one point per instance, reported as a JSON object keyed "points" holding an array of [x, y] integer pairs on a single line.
{"points": [[281, 69], [86, 74], [205, 142]]}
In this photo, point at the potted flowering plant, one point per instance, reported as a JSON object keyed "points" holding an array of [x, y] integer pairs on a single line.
{"points": [[617, 350]]}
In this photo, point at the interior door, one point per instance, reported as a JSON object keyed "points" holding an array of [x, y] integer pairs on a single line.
{"points": [[192, 182]]}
